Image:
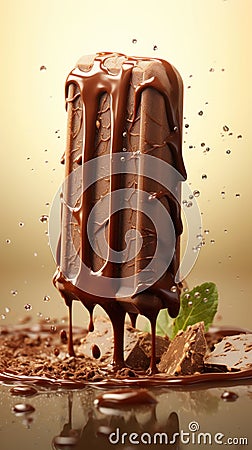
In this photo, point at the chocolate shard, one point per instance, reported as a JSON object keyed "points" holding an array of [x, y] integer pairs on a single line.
{"points": [[215, 334], [233, 353], [138, 345], [185, 354]]}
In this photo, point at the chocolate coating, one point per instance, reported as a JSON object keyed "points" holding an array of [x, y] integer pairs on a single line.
{"points": [[115, 102]]}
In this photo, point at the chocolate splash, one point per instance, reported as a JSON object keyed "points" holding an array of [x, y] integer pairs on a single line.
{"points": [[117, 103]]}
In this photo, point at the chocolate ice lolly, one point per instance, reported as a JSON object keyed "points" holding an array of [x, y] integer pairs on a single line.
{"points": [[124, 128]]}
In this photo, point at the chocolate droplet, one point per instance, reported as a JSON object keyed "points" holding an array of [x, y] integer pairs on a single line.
{"points": [[56, 351], [44, 218], [63, 336], [96, 351], [229, 396], [23, 408], [25, 391]]}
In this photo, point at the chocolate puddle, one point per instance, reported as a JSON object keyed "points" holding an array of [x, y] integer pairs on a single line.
{"points": [[101, 375], [187, 381]]}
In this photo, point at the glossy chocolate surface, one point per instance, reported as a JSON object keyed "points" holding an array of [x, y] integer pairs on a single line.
{"points": [[117, 103]]}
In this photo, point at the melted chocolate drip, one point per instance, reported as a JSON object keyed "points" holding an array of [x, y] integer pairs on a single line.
{"points": [[93, 89], [133, 319], [91, 321]]}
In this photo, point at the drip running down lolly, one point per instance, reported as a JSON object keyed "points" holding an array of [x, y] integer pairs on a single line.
{"points": [[120, 217]]}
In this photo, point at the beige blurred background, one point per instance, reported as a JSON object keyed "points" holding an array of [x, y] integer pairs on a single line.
{"points": [[209, 42]]}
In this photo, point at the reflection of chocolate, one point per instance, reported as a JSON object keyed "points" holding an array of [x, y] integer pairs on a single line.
{"points": [[105, 429], [124, 398], [118, 103], [68, 436]]}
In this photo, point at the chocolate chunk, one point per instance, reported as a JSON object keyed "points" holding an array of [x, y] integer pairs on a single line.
{"points": [[137, 348], [215, 334], [231, 354], [186, 352]]}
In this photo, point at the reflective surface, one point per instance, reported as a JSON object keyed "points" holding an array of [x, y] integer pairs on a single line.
{"points": [[69, 419]]}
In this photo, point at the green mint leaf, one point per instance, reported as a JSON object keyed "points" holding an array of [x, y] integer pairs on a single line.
{"points": [[164, 323], [198, 305]]}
